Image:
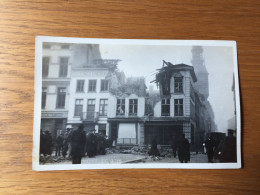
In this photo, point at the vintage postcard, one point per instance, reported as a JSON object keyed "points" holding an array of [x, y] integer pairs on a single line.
{"points": [[114, 104]]}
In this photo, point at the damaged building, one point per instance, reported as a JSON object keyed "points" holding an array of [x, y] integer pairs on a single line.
{"points": [[180, 109], [127, 112]]}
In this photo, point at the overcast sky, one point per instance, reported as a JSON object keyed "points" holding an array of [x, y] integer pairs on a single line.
{"points": [[140, 60]]}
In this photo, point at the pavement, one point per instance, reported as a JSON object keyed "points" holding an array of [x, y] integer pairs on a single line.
{"points": [[118, 158]]}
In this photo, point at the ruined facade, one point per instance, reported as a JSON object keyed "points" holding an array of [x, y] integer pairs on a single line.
{"points": [[180, 109]]}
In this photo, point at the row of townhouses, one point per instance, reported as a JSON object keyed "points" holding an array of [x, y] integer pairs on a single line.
{"points": [[79, 87]]}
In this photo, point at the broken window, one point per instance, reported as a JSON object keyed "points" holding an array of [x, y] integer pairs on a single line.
{"points": [[178, 85], [132, 107], [165, 107], [178, 107], [120, 107]]}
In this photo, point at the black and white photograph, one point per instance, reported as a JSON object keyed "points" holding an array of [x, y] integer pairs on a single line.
{"points": [[114, 103]]}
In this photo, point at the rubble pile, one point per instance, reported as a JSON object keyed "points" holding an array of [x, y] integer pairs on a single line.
{"points": [[50, 159]]}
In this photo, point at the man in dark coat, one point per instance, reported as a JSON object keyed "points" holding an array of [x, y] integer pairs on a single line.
{"points": [[48, 143], [228, 149], [174, 145], [154, 150], [78, 141], [184, 149], [59, 143], [42, 143], [209, 145], [91, 146]]}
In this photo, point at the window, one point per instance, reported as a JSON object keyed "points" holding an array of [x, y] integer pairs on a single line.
{"points": [[178, 85], [132, 107], [120, 107], [102, 129], [46, 46], [165, 107], [80, 86], [65, 46], [45, 66], [104, 85], [44, 95], [78, 107], [61, 97], [91, 109], [92, 85], [103, 107], [178, 107], [64, 62]]}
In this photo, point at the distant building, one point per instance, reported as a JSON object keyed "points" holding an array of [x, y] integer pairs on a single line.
{"points": [[56, 71], [202, 86]]}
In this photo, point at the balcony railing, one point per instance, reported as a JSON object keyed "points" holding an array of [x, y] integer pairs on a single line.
{"points": [[126, 141], [89, 116]]}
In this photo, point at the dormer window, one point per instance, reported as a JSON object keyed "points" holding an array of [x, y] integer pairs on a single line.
{"points": [[178, 84]]}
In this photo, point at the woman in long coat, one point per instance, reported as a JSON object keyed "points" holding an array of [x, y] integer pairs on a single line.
{"points": [[78, 141], [184, 149]]}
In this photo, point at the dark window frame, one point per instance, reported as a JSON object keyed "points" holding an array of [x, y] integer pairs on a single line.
{"points": [[104, 86], [165, 107], [120, 107], [103, 107], [45, 66], [178, 107], [61, 97], [133, 107], [80, 86], [63, 71], [92, 85], [78, 107], [44, 97], [65, 46], [178, 84]]}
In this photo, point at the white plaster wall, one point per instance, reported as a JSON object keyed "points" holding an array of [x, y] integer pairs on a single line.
{"points": [[157, 109]]}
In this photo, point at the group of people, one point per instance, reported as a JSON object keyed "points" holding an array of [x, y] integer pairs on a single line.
{"points": [[180, 145], [73, 144], [223, 150]]}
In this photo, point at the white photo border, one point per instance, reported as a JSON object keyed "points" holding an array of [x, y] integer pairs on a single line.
{"points": [[37, 102]]}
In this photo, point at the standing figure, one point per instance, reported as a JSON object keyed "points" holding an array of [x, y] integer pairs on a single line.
{"points": [[209, 145], [59, 143], [228, 148], [174, 145], [91, 146], [78, 141], [48, 143], [42, 143], [154, 150], [184, 149]]}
